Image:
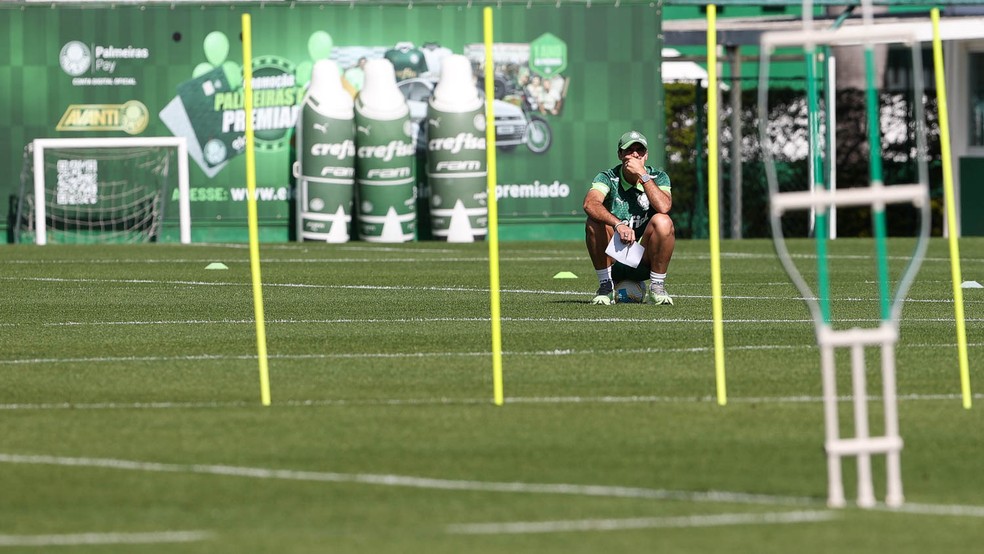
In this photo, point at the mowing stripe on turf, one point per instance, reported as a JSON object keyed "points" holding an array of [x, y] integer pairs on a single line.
{"points": [[566, 526], [389, 480], [527, 256], [478, 319], [329, 403], [89, 539], [362, 355], [435, 289], [345, 321]]}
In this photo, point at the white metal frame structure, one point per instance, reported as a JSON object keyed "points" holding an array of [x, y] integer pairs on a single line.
{"points": [[180, 143], [824, 201], [862, 445]]}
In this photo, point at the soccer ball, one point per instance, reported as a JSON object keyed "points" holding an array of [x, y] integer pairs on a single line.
{"points": [[628, 292]]}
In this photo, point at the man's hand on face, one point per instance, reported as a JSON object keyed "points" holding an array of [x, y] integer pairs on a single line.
{"points": [[635, 167]]}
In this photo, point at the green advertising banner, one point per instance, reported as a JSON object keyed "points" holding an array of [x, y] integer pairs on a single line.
{"points": [[569, 81]]}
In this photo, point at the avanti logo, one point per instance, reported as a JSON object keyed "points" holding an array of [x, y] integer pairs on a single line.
{"points": [[131, 117]]}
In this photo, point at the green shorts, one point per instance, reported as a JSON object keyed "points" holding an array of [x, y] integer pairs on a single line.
{"points": [[621, 272]]}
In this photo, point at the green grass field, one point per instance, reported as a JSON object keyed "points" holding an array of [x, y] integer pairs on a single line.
{"points": [[131, 415]]}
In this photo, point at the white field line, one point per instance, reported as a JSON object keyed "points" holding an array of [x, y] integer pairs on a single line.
{"points": [[465, 401], [389, 480], [583, 294], [442, 256], [404, 320], [409, 355], [292, 261], [88, 539], [428, 483], [567, 526]]}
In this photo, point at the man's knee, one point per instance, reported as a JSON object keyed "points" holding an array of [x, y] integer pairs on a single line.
{"points": [[662, 225], [592, 224], [593, 228]]}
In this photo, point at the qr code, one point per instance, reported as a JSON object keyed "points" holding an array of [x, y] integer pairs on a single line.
{"points": [[77, 182]]}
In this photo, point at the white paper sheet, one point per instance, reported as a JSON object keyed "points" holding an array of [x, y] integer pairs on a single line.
{"points": [[629, 255]]}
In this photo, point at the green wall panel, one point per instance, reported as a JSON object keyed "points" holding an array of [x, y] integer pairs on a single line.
{"points": [[971, 197], [611, 71]]}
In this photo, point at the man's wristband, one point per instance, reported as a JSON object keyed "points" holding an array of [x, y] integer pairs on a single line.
{"points": [[615, 227]]}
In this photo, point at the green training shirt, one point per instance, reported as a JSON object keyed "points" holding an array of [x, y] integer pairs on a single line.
{"points": [[408, 61], [628, 201]]}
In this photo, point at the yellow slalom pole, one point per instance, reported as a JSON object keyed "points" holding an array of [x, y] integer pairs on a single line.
{"points": [[712, 201], [951, 211], [254, 242], [493, 212]]}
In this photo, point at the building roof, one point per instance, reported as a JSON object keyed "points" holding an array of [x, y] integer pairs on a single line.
{"points": [[480, 3], [968, 24], [680, 70]]}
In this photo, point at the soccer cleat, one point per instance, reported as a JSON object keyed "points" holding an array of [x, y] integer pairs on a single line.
{"points": [[657, 294], [605, 295]]}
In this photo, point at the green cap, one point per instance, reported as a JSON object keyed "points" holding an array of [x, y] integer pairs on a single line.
{"points": [[630, 138]]}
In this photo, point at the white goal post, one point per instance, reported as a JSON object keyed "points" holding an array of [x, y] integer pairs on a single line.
{"points": [[179, 143]]}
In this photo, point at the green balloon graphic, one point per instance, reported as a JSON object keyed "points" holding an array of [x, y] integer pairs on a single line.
{"points": [[303, 72], [216, 47], [320, 45], [233, 74], [202, 69]]}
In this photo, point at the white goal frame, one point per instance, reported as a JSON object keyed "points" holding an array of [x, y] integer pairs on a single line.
{"points": [[180, 143]]}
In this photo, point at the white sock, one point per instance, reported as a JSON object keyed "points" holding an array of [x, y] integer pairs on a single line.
{"points": [[657, 277], [604, 274]]}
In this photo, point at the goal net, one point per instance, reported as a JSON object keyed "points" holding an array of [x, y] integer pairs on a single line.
{"points": [[102, 190]]}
